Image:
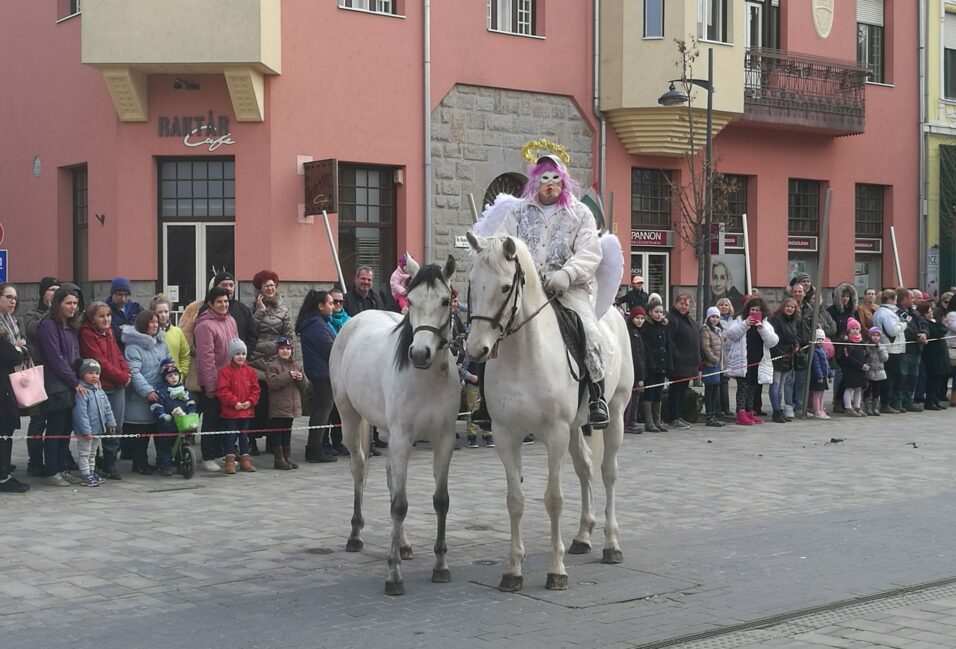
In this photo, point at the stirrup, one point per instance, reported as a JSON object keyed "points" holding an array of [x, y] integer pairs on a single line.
{"points": [[598, 416]]}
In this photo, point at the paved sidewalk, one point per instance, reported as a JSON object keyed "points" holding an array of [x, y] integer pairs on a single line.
{"points": [[720, 528]]}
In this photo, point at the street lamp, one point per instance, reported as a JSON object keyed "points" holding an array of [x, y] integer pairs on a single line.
{"points": [[675, 98]]}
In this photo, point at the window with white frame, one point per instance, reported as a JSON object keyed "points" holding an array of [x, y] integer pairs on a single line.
{"points": [[949, 56], [513, 16], [653, 18], [713, 19], [67, 8], [870, 37], [374, 6]]}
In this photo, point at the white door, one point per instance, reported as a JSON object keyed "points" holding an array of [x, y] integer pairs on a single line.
{"points": [[193, 252], [654, 267]]}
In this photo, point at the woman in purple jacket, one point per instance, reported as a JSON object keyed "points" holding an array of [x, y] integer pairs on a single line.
{"points": [[59, 350]]}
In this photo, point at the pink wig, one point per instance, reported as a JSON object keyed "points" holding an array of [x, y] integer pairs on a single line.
{"points": [[534, 179]]}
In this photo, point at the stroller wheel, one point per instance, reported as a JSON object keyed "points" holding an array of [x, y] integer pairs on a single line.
{"points": [[187, 462]]}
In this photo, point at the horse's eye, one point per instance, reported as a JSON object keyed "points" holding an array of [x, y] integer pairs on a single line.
{"points": [[445, 302], [506, 288]]}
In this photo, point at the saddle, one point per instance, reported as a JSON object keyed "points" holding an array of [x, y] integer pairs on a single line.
{"points": [[572, 333]]}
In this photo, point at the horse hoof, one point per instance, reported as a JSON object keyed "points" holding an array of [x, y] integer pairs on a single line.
{"points": [[354, 545], [579, 547], [405, 552], [441, 576], [612, 556], [556, 582], [394, 587], [510, 583]]}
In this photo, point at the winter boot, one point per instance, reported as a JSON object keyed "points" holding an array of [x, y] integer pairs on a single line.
{"points": [[754, 418], [245, 463], [598, 415], [649, 426], [279, 462], [714, 421], [6, 452], [778, 417], [875, 407], [744, 418], [287, 453], [109, 466], [656, 414], [229, 466]]}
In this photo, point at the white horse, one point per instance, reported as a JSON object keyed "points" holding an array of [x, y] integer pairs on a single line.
{"points": [[529, 389], [374, 385]]}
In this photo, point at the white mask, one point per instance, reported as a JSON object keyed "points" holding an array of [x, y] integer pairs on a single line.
{"points": [[549, 177]]}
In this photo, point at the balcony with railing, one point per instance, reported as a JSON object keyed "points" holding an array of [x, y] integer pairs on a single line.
{"points": [[790, 89]]}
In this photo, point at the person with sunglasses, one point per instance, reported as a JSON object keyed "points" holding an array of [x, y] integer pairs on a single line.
{"points": [[339, 316]]}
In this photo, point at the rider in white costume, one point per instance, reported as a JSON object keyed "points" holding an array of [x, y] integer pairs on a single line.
{"points": [[562, 235]]}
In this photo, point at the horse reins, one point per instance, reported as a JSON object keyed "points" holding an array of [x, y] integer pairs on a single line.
{"points": [[513, 297]]}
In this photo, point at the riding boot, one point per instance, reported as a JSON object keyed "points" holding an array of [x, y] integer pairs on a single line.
{"points": [[280, 463], [287, 454], [598, 416], [656, 413], [480, 416], [649, 426]]}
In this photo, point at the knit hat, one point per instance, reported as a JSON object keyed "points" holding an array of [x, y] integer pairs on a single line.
{"points": [[222, 276], [654, 296], [120, 285], [236, 346], [712, 311], [873, 330], [261, 278], [819, 336], [88, 365], [799, 277], [167, 367], [851, 323], [283, 341], [46, 283], [636, 311]]}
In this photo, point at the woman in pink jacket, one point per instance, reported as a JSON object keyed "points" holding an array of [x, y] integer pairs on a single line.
{"points": [[211, 335]]}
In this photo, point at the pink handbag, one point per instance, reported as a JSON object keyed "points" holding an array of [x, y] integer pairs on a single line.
{"points": [[28, 386]]}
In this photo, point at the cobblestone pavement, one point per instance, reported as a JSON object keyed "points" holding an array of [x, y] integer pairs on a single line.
{"points": [[810, 534]]}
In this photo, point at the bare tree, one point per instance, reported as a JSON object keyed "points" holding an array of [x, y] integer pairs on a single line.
{"points": [[691, 191]]}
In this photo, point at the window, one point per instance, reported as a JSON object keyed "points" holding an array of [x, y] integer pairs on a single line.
{"points": [[650, 198], [949, 56], [374, 6], [509, 183], [367, 221], [730, 201], [202, 189], [869, 37], [803, 207], [513, 16], [869, 211], [653, 18], [712, 20], [81, 226], [67, 9]]}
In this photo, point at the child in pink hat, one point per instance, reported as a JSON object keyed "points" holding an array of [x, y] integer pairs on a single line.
{"points": [[851, 355]]}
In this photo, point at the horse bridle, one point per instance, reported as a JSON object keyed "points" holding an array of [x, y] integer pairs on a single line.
{"points": [[512, 298], [438, 331]]}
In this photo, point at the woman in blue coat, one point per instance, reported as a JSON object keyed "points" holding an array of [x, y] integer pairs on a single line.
{"points": [[316, 337], [145, 351]]}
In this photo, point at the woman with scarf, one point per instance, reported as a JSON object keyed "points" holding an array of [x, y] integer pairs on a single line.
{"points": [[273, 321], [13, 351]]}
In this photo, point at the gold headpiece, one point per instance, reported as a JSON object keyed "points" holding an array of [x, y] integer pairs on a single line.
{"points": [[535, 149]]}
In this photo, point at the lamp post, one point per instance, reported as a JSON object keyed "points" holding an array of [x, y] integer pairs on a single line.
{"points": [[674, 98]]}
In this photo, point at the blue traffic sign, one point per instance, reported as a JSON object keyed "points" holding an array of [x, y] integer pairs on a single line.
{"points": [[3, 265]]}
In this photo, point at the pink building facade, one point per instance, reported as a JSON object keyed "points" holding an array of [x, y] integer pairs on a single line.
{"points": [[197, 181]]}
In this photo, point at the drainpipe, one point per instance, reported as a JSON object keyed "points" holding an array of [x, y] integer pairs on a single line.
{"points": [[923, 208], [427, 102], [596, 107]]}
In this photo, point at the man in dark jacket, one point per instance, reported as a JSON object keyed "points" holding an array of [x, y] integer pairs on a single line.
{"points": [[916, 334], [685, 350], [841, 310], [124, 311], [363, 297], [636, 297]]}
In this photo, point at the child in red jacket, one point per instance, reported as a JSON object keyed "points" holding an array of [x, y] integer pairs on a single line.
{"points": [[238, 392]]}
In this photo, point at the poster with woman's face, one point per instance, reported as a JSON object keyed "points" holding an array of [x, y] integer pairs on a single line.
{"points": [[728, 278]]}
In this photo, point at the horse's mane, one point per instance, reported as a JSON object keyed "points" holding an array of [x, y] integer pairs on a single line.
{"points": [[431, 275], [493, 256]]}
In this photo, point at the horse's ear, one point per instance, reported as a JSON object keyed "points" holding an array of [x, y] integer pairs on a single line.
{"points": [[449, 268], [477, 243], [411, 266], [511, 251]]}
